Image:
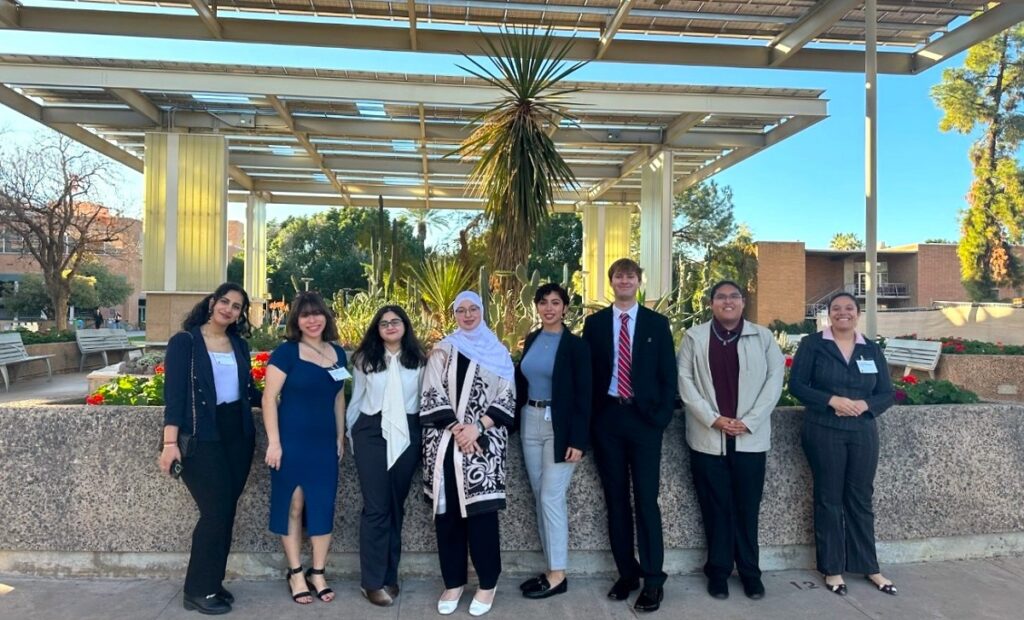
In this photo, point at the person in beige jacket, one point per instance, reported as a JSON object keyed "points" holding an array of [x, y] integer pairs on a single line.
{"points": [[730, 379]]}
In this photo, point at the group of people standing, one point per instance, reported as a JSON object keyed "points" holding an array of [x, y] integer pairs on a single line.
{"points": [[611, 391]]}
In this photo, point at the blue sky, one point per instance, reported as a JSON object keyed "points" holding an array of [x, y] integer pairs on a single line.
{"points": [[806, 188]]}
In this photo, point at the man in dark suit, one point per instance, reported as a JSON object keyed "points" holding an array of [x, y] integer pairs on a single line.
{"points": [[634, 382]]}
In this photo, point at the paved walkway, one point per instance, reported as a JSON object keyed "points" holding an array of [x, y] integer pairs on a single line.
{"points": [[968, 589], [64, 387]]}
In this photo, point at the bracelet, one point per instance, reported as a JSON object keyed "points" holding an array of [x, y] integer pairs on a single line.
{"points": [[480, 426]]}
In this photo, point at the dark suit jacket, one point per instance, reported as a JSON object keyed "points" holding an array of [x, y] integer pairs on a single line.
{"points": [[178, 397], [570, 393], [653, 373]]}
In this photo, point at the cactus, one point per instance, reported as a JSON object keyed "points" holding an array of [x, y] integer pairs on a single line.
{"points": [[484, 289]]}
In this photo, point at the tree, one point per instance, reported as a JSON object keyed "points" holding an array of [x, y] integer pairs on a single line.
{"points": [[702, 218], [236, 269], [988, 92], [846, 241], [518, 170], [112, 289], [937, 240], [559, 242], [32, 300], [45, 192]]}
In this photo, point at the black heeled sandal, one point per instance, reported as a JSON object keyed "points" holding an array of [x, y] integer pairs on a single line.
{"points": [[838, 588], [887, 588], [320, 594], [288, 581]]}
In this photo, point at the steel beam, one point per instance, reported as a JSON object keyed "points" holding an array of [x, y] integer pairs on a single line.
{"points": [[208, 15], [140, 103], [412, 24], [10, 14], [612, 27], [282, 111], [818, 19], [988, 24], [423, 152]]}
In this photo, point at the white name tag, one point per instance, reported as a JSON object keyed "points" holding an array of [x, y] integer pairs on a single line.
{"points": [[339, 374], [547, 414], [867, 367]]}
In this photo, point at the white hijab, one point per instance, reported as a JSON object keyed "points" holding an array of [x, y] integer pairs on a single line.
{"points": [[480, 344]]}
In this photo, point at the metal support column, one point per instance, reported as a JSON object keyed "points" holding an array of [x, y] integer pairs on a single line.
{"points": [[871, 168]]}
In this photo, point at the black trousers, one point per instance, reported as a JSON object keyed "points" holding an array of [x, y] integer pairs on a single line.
{"points": [[215, 475], [628, 451], [384, 492], [729, 490], [477, 534], [843, 464]]}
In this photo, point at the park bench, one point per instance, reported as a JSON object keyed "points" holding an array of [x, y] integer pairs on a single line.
{"points": [[102, 341], [914, 355], [12, 351]]}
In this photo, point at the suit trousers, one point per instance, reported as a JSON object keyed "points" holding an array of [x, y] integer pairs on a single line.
{"points": [[215, 475], [478, 534], [627, 450], [729, 489], [384, 492], [843, 464], [550, 483]]}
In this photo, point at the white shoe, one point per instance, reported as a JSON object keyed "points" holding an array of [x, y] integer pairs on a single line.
{"points": [[447, 608], [476, 608]]}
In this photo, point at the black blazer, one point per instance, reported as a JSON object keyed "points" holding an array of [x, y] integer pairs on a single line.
{"points": [[820, 372], [570, 393], [653, 375], [178, 397]]}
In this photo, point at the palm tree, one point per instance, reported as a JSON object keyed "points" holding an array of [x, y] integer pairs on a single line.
{"points": [[518, 169]]}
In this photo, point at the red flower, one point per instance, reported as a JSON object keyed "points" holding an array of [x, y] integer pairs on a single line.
{"points": [[789, 361], [159, 369], [94, 399], [259, 373], [262, 357], [899, 396], [910, 380]]}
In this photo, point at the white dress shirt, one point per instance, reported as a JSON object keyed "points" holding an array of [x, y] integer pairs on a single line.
{"points": [[613, 388], [368, 390]]}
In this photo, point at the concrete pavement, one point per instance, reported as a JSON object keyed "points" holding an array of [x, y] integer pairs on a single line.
{"points": [[966, 589]]}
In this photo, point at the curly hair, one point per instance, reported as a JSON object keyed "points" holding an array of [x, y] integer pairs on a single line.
{"points": [[200, 313]]}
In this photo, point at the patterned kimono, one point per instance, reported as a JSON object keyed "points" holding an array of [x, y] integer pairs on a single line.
{"points": [[479, 478]]}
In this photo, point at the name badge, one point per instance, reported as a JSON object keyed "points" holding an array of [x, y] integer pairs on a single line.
{"points": [[867, 367], [339, 374], [547, 414]]}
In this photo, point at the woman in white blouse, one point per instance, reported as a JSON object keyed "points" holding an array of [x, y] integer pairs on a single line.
{"points": [[384, 426]]}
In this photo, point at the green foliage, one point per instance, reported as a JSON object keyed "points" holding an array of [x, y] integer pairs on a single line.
{"points": [[736, 260], [988, 93], [702, 218], [808, 326], [265, 337], [236, 269], [557, 243], [959, 346], [518, 170], [846, 241], [931, 392], [111, 289], [439, 281], [33, 298], [47, 337], [130, 390]]}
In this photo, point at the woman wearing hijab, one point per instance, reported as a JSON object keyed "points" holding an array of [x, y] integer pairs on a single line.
{"points": [[467, 405], [384, 425]]}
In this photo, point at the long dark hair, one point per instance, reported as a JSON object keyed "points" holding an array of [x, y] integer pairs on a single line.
{"points": [[305, 303], [200, 313], [369, 357]]}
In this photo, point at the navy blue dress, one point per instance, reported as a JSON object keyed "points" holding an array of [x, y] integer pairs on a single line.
{"points": [[309, 433]]}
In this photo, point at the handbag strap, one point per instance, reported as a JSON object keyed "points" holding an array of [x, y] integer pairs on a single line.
{"points": [[192, 380]]}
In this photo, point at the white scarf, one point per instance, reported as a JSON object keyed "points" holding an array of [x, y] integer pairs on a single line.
{"points": [[480, 344], [393, 423]]}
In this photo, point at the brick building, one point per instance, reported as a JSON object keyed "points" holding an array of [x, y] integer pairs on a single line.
{"points": [[793, 282]]}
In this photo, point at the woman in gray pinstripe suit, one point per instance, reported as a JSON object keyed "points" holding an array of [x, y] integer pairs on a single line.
{"points": [[843, 381]]}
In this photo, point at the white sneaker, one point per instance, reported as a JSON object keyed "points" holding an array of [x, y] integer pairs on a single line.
{"points": [[476, 608], [447, 608]]}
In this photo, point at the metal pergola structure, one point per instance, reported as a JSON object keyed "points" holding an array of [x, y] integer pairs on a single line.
{"points": [[307, 136]]}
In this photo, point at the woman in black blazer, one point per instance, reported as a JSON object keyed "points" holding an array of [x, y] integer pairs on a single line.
{"points": [[843, 381], [208, 393], [553, 392]]}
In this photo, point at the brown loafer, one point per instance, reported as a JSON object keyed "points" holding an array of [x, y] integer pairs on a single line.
{"points": [[392, 590], [380, 598]]}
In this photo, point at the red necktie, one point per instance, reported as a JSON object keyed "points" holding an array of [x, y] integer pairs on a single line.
{"points": [[625, 359]]}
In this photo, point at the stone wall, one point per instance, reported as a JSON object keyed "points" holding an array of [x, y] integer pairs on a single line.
{"points": [[80, 492], [991, 377]]}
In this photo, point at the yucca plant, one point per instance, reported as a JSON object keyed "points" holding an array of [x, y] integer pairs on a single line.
{"points": [[518, 170], [439, 282]]}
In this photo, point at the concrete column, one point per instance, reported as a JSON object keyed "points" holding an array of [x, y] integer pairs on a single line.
{"points": [[605, 239], [255, 280], [656, 226]]}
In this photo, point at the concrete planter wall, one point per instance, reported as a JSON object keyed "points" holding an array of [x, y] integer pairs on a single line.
{"points": [[80, 493], [65, 359], [991, 377]]}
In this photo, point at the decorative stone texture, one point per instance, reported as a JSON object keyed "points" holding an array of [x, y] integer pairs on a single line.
{"points": [[84, 479], [991, 377]]}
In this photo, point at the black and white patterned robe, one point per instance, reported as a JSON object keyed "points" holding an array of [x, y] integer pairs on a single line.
{"points": [[479, 478]]}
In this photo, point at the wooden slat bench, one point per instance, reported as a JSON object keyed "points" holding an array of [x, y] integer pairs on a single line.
{"points": [[12, 351], [101, 341], [914, 355]]}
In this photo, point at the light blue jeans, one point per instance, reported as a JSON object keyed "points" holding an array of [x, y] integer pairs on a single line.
{"points": [[550, 483]]}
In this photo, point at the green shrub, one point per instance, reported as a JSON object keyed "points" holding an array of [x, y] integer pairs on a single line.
{"points": [[47, 337], [130, 390], [265, 338], [911, 391]]}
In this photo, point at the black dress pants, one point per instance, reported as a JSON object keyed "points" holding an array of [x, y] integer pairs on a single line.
{"points": [[477, 534], [627, 451], [215, 475], [384, 492], [843, 464], [729, 490]]}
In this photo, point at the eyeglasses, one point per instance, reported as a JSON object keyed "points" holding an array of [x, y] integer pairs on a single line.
{"points": [[391, 323], [729, 297], [466, 311]]}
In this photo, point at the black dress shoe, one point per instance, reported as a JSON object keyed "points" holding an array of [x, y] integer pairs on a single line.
{"points": [[540, 582], [649, 599], [718, 588], [548, 591], [226, 596], [620, 591], [210, 605], [753, 588], [392, 590]]}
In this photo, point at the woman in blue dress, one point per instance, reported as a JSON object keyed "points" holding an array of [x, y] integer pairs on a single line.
{"points": [[305, 433]]}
